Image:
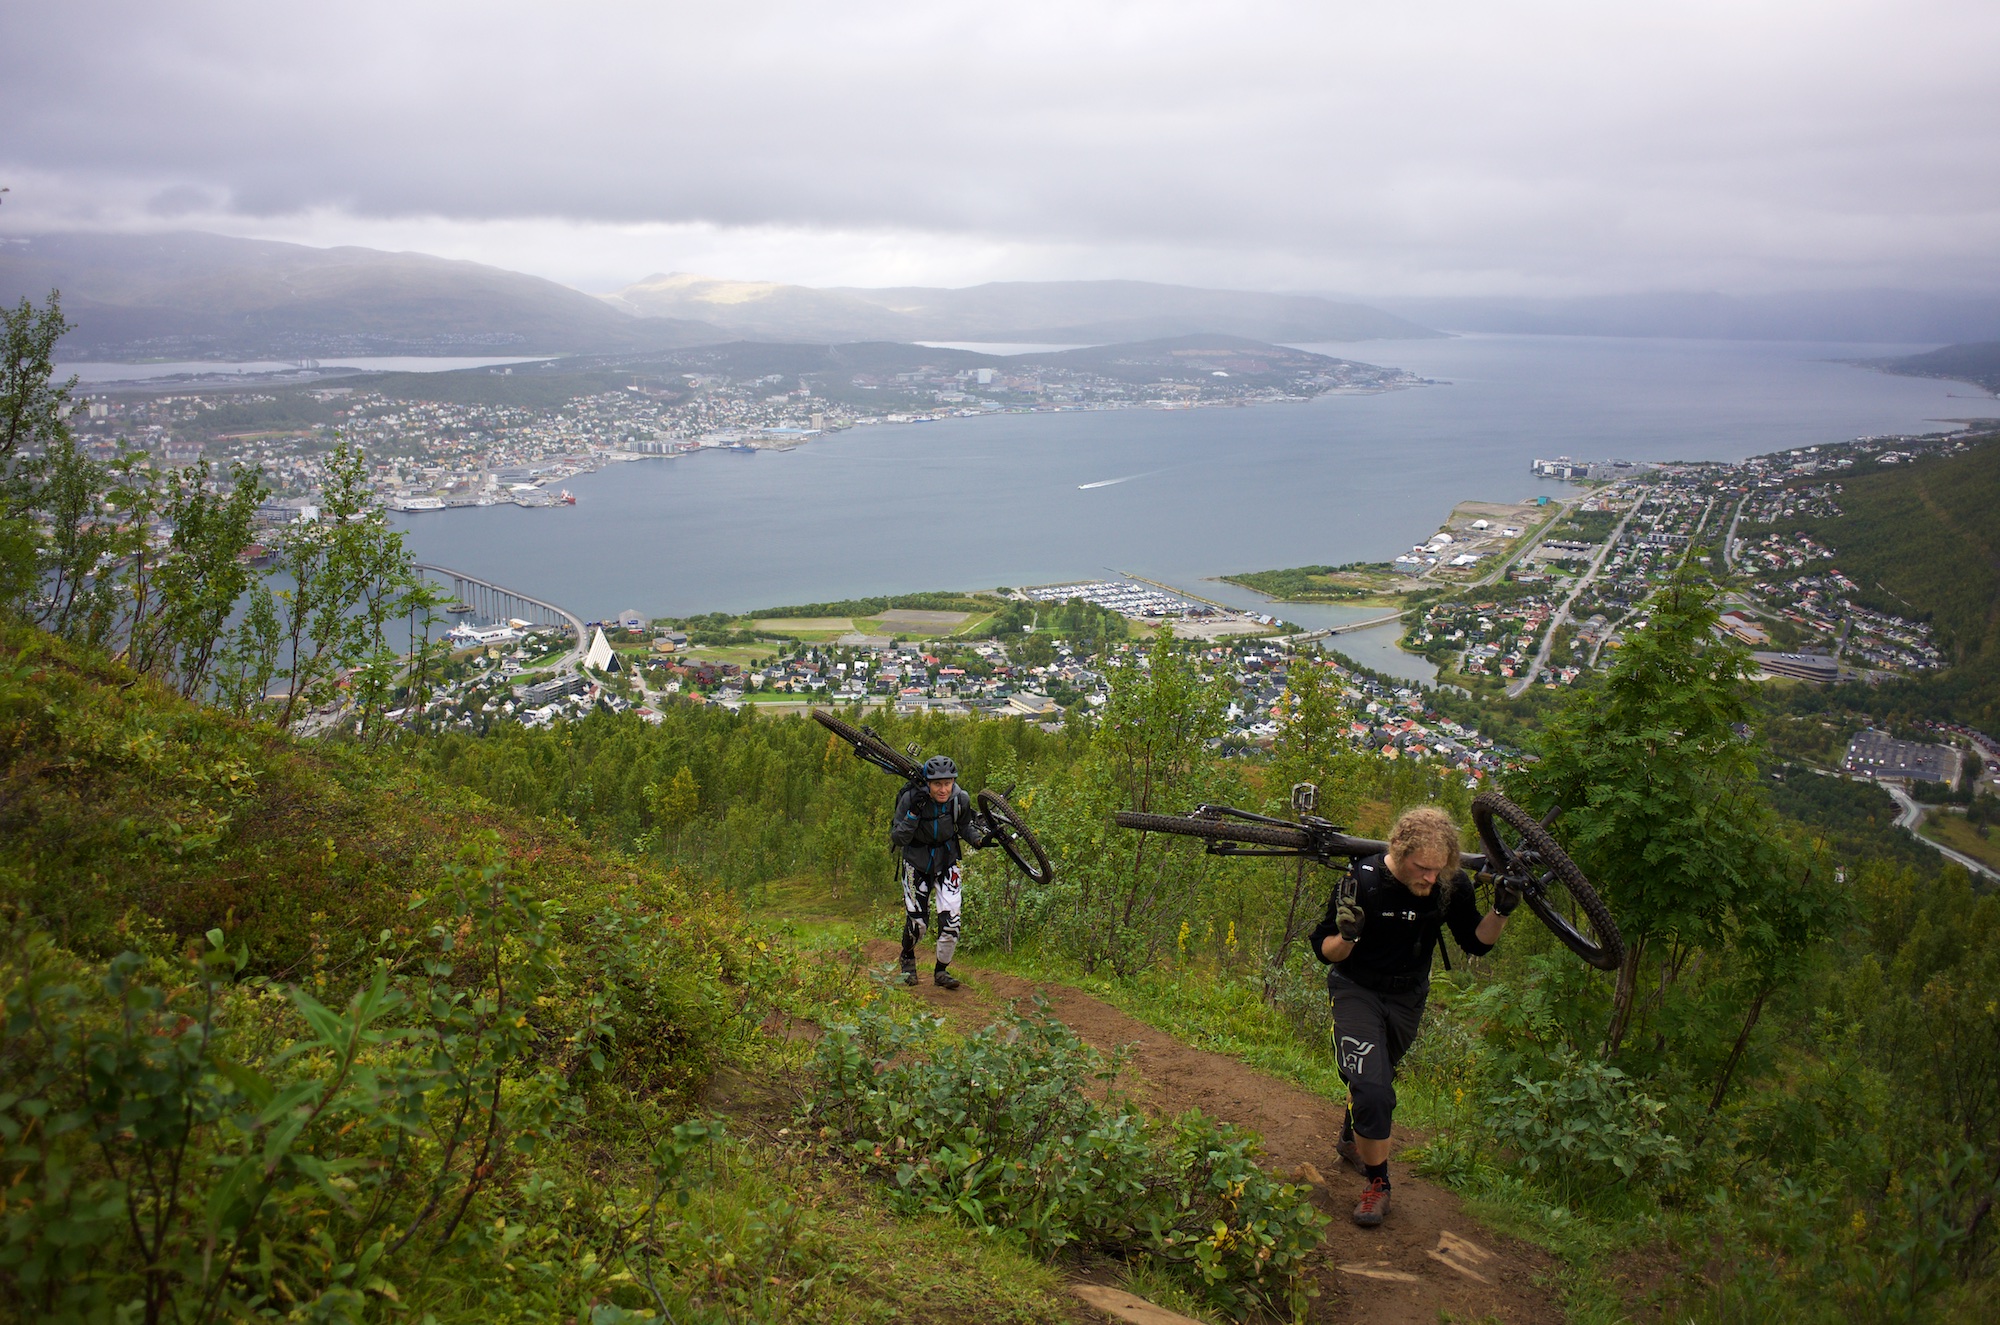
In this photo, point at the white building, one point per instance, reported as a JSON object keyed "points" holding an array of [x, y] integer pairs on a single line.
{"points": [[468, 636], [600, 656]]}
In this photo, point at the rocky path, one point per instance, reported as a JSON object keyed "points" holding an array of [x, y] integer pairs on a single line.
{"points": [[1429, 1262]]}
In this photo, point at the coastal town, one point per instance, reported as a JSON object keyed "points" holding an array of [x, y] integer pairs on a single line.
{"points": [[1539, 593], [532, 677], [1570, 598], [437, 445]]}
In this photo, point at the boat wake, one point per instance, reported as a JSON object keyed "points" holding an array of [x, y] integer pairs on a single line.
{"points": [[1107, 482]]}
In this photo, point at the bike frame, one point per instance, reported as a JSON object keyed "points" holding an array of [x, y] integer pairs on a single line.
{"points": [[868, 756], [1328, 843]]}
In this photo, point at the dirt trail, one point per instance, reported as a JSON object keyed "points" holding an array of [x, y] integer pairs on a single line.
{"points": [[1429, 1262]]}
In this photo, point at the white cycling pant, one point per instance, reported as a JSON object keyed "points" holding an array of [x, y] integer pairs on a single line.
{"points": [[920, 892]]}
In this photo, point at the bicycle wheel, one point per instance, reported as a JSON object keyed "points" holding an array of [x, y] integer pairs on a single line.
{"points": [[1215, 830], [870, 746], [1020, 844], [1521, 850]]}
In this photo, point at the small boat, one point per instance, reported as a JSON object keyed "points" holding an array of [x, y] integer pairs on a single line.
{"points": [[459, 609], [743, 448], [565, 498]]}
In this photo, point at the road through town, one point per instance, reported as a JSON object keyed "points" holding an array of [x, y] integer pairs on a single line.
{"points": [[1911, 820], [1561, 614]]}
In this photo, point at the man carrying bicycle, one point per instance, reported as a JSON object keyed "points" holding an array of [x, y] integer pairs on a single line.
{"points": [[931, 819], [1377, 938]]}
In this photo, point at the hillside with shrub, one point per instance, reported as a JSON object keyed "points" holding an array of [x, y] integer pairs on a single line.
{"points": [[1977, 362], [293, 1028], [316, 1009], [1788, 1061], [1920, 540]]}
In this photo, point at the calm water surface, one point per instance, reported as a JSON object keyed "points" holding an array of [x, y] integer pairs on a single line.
{"points": [[974, 503]]}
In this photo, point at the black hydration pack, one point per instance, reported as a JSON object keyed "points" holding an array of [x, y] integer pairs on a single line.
{"points": [[929, 833]]}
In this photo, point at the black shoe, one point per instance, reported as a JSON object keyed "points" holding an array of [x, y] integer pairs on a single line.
{"points": [[910, 973], [943, 980], [1349, 1153]]}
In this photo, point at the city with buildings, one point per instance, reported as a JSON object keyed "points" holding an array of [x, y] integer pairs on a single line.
{"points": [[430, 454], [1521, 595], [1570, 600]]}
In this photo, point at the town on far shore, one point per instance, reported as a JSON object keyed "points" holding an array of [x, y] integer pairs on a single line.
{"points": [[515, 434]]}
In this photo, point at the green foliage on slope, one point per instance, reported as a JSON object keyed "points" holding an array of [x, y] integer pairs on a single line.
{"points": [[1800, 1036], [853, 607], [1005, 1131], [1922, 540], [300, 1029], [725, 796]]}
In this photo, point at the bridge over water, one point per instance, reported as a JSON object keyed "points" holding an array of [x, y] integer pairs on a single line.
{"points": [[1326, 632], [496, 602]]}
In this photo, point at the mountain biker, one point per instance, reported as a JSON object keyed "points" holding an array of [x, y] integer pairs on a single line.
{"points": [[1377, 938], [930, 820]]}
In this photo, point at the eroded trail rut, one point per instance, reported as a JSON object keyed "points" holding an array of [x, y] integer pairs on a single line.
{"points": [[1428, 1258]]}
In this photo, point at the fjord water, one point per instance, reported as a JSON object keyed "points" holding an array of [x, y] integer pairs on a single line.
{"points": [[1024, 498]]}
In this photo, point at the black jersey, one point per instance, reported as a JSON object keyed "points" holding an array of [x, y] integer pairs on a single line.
{"points": [[1401, 932], [929, 832]]}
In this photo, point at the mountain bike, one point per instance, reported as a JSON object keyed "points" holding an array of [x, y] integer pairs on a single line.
{"points": [[1520, 852], [998, 816]]}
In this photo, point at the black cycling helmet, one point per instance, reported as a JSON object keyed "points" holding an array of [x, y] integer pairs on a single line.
{"points": [[939, 767]]}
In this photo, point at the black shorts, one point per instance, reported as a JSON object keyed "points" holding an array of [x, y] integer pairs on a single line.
{"points": [[1371, 1033]]}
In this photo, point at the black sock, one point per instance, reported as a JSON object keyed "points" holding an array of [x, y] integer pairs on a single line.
{"points": [[1347, 1126], [940, 968], [1377, 1171]]}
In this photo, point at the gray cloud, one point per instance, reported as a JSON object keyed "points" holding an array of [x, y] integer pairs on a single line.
{"points": [[1450, 145]]}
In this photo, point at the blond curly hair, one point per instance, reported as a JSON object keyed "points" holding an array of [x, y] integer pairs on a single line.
{"points": [[1427, 828]]}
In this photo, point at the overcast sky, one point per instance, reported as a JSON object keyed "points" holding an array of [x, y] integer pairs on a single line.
{"points": [[1425, 147]]}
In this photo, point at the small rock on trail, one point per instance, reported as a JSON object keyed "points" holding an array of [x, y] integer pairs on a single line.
{"points": [[1427, 1258]]}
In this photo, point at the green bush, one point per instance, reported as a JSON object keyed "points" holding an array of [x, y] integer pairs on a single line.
{"points": [[1002, 1131], [182, 1143], [1585, 1128]]}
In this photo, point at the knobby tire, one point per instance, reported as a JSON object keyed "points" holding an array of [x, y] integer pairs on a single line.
{"points": [[1016, 839], [1215, 830], [1565, 896], [875, 745]]}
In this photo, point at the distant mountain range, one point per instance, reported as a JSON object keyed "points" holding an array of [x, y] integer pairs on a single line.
{"points": [[201, 296], [1059, 312], [1904, 316], [198, 296]]}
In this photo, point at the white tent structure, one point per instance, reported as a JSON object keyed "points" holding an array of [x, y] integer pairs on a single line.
{"points": [[601, 658]]}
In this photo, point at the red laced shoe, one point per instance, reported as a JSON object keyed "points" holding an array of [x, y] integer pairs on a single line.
{"points": [[1373, 1205]]}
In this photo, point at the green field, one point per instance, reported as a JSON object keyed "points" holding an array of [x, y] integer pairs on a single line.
{"points": [[1362, 583], [1586, 526], [1956, 833], [889, 624], [742, 655]]}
